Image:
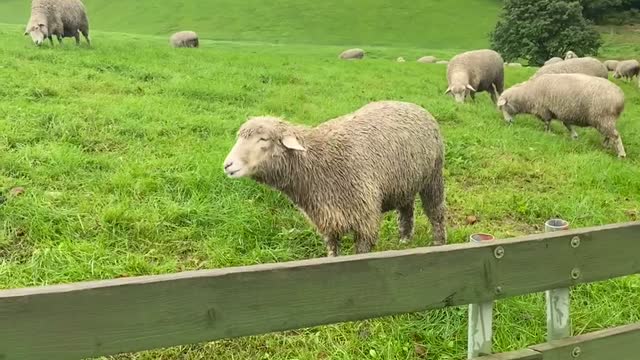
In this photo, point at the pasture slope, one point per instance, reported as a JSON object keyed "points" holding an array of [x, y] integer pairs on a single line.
{"points": [[119, 149]]}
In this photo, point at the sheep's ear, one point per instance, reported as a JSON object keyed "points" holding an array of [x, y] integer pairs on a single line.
{"points": [[292, 143], [502, 101], [471, 88], [448, 91]]}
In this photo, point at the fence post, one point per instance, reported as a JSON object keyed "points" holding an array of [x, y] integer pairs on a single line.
{"points": [[480, 319], [558, 304]]}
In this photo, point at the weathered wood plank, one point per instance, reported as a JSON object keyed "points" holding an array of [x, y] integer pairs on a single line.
{"points": [[525, 354], [620, 343], [99, 318]]}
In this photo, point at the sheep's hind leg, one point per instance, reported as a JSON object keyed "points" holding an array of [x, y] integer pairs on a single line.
{"points": [[405, 222], [433, 203], [366, 237], [77, 37], [85, 33], [50, 39], [59, 39], [332, 243], [574, 134]]}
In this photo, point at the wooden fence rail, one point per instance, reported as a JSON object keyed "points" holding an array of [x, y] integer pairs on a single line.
{"points": [[106, 317]]}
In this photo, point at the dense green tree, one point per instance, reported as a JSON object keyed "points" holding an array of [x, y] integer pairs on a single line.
{"points": [[538, 30]]}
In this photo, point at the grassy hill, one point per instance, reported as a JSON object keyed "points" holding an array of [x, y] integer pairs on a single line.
{"points": [[457, 24], [119, 149]]}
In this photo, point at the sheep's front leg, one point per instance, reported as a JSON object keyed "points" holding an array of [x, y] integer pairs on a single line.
{"points": [[50, 39], [366, 237], [574, 134], [59, 39], [405, 223], [77, 37]]}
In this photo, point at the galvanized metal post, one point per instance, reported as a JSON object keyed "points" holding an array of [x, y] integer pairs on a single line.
{"points": [[558, 304], [480, 319]]}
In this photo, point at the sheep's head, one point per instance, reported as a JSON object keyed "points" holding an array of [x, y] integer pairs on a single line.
{"points": [[507, 109], [38, 33], [460, 92], [261, 142], [570, 55]]}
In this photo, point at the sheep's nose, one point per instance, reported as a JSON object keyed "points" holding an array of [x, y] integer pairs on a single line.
{"points": [[227, 165]]}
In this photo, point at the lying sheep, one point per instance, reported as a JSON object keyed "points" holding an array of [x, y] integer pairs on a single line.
{"points": [[627, 69], [442, 62], [184, 39], [570, 55], [343, 173], [553, 60], [427, 59], [400, 59], [352, 54], [514, 65], [59, 18], [574, 99], [611, 64], [585, 65], [475, 71]]}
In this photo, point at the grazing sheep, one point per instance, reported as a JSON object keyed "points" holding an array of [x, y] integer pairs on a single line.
{"points": [[400, 59], [352, 54], [442, 62], [553, 60], [345, 172], [611, 64], [574, 99], [475, 71], [59, 18], [427, 59], [585, 65], [184, 39], [627, 69], [570, 55]]}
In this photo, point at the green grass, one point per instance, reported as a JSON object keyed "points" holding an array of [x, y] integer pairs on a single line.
{"points": [[120, 149], [433, 24]]}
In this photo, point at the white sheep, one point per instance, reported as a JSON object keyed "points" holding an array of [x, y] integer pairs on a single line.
{"points": [[584, 65], [59, 18], [475, 71], [187, 39], [570, 55], [427, 59], [611, 64], [352, 54], [627, 69], [575, 99], [400, 59], [345, 172]]}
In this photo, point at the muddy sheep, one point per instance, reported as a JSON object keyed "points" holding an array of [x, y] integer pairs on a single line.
{"points": [[184, 39], [574, 99], [59, 18], [627, 69], [475, 71], [352, 54], [584, 65], [345, 172], [611, 64]]}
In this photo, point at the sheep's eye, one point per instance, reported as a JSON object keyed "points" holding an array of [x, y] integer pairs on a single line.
{"points": [[263, 139]]}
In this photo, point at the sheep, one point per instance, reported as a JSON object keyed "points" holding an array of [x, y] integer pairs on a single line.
{"points": [[427, 59], [553, 60], [186, 39], [575, 99], [400, 59], [345, 172], [627, 69], [475, 71], [59, 18], [352, 54], [584, 65], [514, 64], [611, 64], [442, 62], [570, 55]]}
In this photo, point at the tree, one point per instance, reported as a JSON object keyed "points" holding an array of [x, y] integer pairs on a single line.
{"points": [[596, 10], [541, 29]]}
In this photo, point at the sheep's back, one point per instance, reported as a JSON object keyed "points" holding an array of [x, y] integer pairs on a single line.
{"points": [[585, 65], [479, 64]]}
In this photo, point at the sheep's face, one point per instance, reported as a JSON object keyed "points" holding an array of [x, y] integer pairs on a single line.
{"points": [[460, 92], [506, 108], [261, 142], [38, 33]]}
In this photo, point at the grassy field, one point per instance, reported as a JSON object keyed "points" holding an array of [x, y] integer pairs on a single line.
{"points": [[427, 24], [119, 149]]}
